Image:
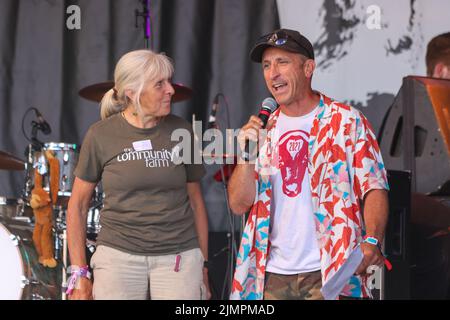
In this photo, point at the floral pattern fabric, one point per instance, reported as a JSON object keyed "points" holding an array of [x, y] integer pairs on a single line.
{"points": [[344, 163]]}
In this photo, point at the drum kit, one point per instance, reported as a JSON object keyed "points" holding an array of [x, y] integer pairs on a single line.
{"points": [[21, 274]]}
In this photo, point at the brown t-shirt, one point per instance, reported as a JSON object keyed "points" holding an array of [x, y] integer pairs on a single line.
{"points": [[146, 206]]}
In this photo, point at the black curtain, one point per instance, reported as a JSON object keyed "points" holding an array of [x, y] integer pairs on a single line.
{"points": [[43, 64]]}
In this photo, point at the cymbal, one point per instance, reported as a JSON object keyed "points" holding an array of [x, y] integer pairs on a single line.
{"points": [[10, 162], [96, 91]]}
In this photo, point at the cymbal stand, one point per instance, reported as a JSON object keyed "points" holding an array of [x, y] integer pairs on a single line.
{"points": [[60, 241], [231, 235], [28, 173], [30, 151], [231, 242], [64, 262], [145, 14]]}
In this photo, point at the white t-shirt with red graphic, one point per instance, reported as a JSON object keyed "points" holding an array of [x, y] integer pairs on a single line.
{"points": [[293, 242]]}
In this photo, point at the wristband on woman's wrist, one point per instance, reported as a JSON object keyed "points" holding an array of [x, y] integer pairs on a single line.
{"points": [[76, 272], [206, 264]]}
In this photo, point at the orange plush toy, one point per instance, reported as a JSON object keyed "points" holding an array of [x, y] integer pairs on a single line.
{"points": [[43, 213], [54, 175]]}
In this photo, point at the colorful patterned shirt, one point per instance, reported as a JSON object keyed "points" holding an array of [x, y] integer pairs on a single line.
{"points": [[344, 163]]}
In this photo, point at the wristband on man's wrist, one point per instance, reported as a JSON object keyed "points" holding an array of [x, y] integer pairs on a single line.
{"points": [[373, 241], [206, 264]]}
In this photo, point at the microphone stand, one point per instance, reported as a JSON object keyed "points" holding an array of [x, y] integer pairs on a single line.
{"points": [[145, 13], [231, 241], [35, 146], [231, 236]]}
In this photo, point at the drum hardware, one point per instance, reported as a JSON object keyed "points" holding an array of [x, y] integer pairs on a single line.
{"points": [[91, 245], [145, 14], [24, 212], [11, 162], [14, 240], [64, 181], [12, 208], [66, 157], [60, 218], [95, 92], [21, 275], [222, 176], [34, 147], [60, 231], [28, 282], [231, 246], [37, 297], [65, 263]]}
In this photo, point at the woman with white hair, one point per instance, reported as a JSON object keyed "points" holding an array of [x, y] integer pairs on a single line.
{"points": [[154, 230]]}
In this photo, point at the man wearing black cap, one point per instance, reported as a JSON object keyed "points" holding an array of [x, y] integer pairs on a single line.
{"points": [[317, 164]]}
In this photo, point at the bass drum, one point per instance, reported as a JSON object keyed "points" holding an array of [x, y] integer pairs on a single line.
{"points": [[22, 277]]}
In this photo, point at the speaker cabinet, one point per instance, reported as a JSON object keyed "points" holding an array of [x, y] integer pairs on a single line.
{"points": [[397, 237], [415, 135]]}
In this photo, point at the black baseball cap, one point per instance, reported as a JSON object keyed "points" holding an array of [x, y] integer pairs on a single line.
{"points": [[285, 39]]}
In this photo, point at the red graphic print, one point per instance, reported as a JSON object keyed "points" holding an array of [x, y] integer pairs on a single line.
{"points": [[293, 160]]}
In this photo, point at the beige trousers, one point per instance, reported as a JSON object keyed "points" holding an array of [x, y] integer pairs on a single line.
{"points": [[122, 276]]}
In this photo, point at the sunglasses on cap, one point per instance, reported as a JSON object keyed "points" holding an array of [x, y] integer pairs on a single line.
{"points": [[280, 38]]}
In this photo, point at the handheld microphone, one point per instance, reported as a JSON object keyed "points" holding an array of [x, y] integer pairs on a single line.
{"points": [[44, 126], [268, 106], [212, 117]]}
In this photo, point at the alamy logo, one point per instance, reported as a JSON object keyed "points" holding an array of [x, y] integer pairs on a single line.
{"points": [[373, 21], [374, 278], [190, 150], [73, 22]]}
